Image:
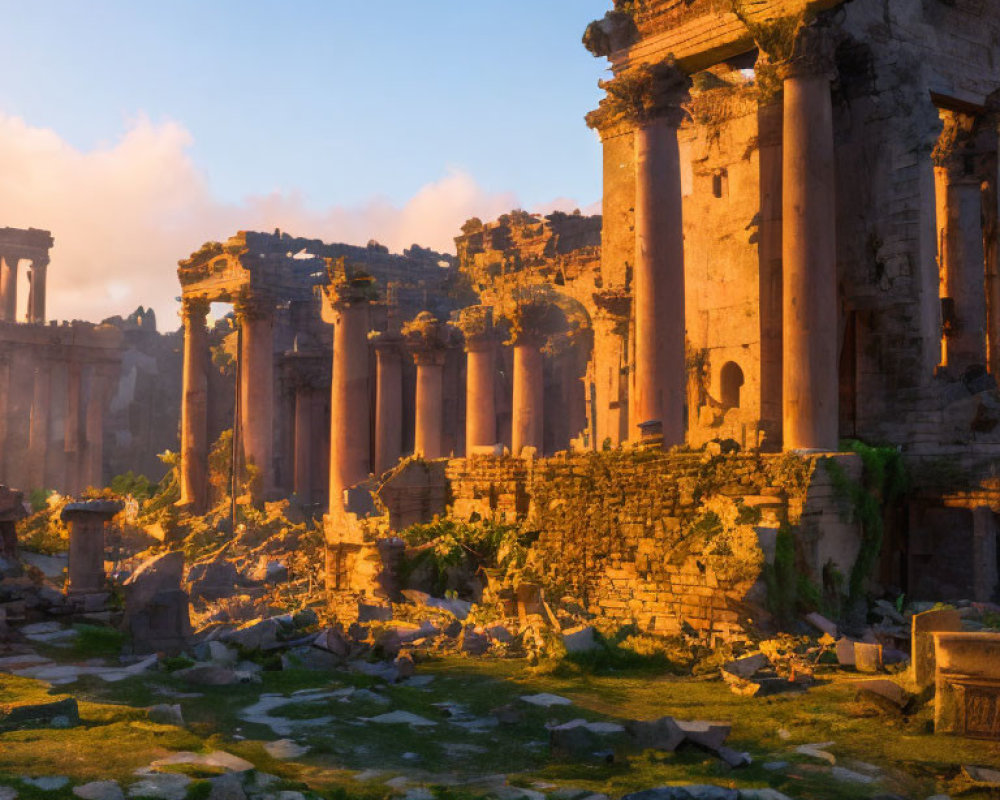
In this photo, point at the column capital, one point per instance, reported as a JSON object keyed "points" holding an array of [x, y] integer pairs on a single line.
{"points": [[251, 305], [955, 151], [387, 343], [194, 307], [476, 323], [640, 96], [531, 323], [792, 47], [428, 338]]}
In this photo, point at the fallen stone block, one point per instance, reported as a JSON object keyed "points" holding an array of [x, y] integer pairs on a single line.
{"points": [[923, 627], [868, 657], [99, 790], [707, 735], [581, 740], [748, 666], [886, 695], [692, 792], [821, 623], [845, 651], [983, 776], [43, 714], [166, 714], [658, 734], [580, 639]]}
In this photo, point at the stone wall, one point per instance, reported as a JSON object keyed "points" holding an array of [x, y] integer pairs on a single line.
{"points": [[667, 540]]}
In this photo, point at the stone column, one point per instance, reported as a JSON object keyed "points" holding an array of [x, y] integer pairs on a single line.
{"points": [[194, 407], [346, 306], [4, 406], [303, 438], [427, 339], [658, 274], [38, 426], [73, 433], [770, 123], [8, 288], [809, 254], [388, 401], [528, 401], [97, 395], [961, 253], [609, 404], [36, 296], [86, 544], [984, 554], [256, 318], [480, 393]]}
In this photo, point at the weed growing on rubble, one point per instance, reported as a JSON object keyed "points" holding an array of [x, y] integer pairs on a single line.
{"points": [[884, 481], [437, 549]]}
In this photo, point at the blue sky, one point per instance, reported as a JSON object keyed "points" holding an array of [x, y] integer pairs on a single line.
{"points": [[339, 100], [136, 130]]}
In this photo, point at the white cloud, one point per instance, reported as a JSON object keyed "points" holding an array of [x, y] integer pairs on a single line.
{"points": [[123, 215]]}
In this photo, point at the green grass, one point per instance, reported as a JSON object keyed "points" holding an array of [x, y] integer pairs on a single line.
{"points": [[116, 737]]}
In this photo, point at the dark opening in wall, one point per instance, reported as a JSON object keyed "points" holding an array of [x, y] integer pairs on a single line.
{"points": [[720, 183], [731, 381]]}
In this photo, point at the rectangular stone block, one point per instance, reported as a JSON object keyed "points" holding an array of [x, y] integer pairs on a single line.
{"points": [[923, 627]]}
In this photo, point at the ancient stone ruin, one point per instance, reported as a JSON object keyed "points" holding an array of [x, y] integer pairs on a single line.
{"points": [[741, 430]]}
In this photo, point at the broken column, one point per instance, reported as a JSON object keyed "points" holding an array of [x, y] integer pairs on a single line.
{"points": [[86, 522], [809, 254], [194, 407], [528, 402], [346, 307], [476, 323], [11, 510], [157, 612], [428, 339], [961, 254], [388, 401], [255, 313]]}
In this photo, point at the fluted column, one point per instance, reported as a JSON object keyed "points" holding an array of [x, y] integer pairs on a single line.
{"points": [[809, 255], [38, 426], [194, 407], [388, 401], [36, 296], [480, 398], [256, 318], [961, 255], [609, 402], [8, 287], [346, 306]]}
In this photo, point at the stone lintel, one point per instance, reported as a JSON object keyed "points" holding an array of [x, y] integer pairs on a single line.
{"points": [[702, 35]]}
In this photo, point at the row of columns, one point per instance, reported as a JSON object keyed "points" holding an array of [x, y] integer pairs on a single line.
{"points": [[255, 318], [649, 105], [9, 263], [79, 462]]}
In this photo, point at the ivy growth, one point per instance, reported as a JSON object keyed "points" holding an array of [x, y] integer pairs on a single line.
{"points": [[883, 482]]}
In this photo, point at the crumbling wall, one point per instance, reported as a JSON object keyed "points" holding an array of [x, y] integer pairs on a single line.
{"points": [[667, 540]]}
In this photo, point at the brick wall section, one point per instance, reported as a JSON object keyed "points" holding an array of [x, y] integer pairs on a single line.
{"points": [[666, 540]]}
